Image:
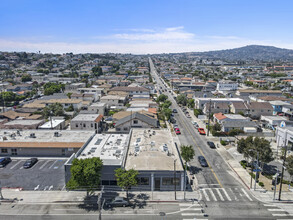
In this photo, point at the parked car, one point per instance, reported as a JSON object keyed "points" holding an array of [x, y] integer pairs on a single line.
{"points": [[195, 124], [29, 163], [4, 161], [118, 202], [201, 131], [202, 161], [175, 110], [211, 144], [173, 120], [177, 131], [188, 115], [175, 126]]}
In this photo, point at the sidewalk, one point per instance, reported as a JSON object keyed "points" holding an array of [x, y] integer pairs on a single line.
{"points": [[234, 163], [77, 197]]}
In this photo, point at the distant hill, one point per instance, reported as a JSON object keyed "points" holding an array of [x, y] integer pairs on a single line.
{"points": [[251, 52]]}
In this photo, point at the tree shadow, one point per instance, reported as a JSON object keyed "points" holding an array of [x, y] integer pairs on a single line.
{"points": [[195, 170], [269, 169], [90, 203]]}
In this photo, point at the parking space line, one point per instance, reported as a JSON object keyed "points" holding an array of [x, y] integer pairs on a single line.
{"points": [[41, 167], [53, 164], [16, 164]]}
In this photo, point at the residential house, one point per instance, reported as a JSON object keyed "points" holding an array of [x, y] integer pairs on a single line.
{"points": [[114, 100], [132, 90], [136, 120], [254, 92], [87, 122], [216, 108]]}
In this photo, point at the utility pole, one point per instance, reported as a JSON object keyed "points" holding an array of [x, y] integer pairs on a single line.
{"points": [[175, 178], [100, 203], [256, 171], [276, 181], [1, 196], [283, 169], [210, 106]]}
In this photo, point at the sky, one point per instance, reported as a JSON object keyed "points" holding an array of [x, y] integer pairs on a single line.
{"points": [[143, 26]]}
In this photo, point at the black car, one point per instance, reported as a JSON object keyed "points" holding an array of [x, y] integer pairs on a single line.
{"points": [[202, 161], [29, 163], [4, 161], [211, 144], [118, 202], [174, 110]]}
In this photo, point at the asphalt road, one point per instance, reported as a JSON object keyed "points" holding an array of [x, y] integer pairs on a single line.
{"points": [[222, 193]]}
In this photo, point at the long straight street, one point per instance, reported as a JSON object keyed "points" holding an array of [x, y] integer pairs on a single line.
{"points": [[221, 191]]}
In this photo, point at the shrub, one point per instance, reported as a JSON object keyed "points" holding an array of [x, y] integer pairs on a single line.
{"points": [[243, 163], [261, 184], [224, 143]]}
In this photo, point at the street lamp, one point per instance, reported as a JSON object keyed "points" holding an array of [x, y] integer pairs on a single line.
{"points": [[256, 170], [175, 177]]}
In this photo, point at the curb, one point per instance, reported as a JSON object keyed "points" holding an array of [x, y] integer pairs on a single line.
{"points": [[238, 175]]}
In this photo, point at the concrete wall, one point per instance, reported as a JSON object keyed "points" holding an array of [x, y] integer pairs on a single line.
{"points": [[84, 125], [128, 125], [39, 152]]}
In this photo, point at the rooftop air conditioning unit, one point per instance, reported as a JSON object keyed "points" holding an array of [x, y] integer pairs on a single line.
{"points": [[32, 135]]}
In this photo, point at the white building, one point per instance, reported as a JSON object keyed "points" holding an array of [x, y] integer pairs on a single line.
{"points": [[200, 102], [55, 124], [113, 100], [227, 86], [86, 122]]}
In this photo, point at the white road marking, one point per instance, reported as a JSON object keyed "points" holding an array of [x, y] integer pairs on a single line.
{"points": [[191, 209], [235, 197], [276, 210], [270, 205], [192, 214], [213, 195], [37, 187], [51, 187], [279, 214], [205, 194], [41, 167], [246, 194], [46, 187], [53, 164], [220, 195], [16, 164], [187, 204], [226, 194]]}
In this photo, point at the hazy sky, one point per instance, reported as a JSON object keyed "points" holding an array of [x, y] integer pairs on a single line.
{"points": [[143, 26]]}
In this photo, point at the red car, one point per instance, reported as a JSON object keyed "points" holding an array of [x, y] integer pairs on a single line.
{"points": [[201, 131], [177, 131]]}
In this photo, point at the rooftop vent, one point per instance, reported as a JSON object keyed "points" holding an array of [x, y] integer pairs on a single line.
{"points": [[32, 135], [57, 134]]}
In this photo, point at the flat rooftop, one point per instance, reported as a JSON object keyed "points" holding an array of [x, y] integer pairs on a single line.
{"points": [[152, 150], [87, 117], [109, 147], [24, 122], [14, 135]]}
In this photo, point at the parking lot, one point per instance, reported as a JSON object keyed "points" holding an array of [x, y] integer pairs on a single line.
{"points": [[46, 174]]}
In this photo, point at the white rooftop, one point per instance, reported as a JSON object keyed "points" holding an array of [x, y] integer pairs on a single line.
{"points": [[52, 123], [13, 135], [152, 149], [24, 122], [109, 147], [235, 116], [86, 117]]}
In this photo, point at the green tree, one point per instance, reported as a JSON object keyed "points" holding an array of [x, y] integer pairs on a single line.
{"points": [[55, 109], [26, 78], [97, 71], [51, 88], [126, 178], [167, 113], [85, 174], [69, 95], [190, 103], [197, 112], [289, 165], [187, 153], [162, 98], [181, 99]]}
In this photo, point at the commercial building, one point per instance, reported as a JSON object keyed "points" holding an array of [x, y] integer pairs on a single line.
{"points": [[155, 156], [45, 143], [110, 148], [227, 86]]}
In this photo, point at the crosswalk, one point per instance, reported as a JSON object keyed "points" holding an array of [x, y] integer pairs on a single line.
{"points": [[192, 211], [225, 194], [278, 212]]}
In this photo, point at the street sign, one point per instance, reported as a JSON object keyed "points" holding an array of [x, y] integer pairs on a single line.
{"points": [[256, 170]]}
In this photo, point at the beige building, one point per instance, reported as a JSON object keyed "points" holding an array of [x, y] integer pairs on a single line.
{"points": [[87, 122]]}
